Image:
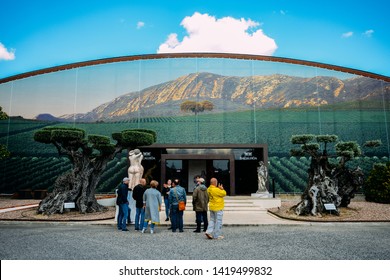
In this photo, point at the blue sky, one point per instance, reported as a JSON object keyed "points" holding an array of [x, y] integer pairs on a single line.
{"points": [[40, 34]]}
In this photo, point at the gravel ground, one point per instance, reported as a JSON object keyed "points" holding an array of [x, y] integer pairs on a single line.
{"points": [[30, 214], [71, 241], [355, 212]]}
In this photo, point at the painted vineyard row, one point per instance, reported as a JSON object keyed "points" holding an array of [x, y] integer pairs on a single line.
{"points": [[14, 127], [276, 135], [148, 120], [288, 173], [272, 127], [30, 173], [33, 173]]}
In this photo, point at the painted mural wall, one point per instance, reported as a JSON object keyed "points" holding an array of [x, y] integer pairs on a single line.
{"points": [[190, 101]]}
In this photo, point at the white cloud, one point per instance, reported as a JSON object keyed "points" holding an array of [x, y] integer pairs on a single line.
{"points": [[224, 35], [347, 34], [140, 24], [5, 54], [368, 33]]}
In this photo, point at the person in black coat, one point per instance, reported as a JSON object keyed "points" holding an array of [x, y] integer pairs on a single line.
{"points": [[123, 204], [138, 193]]}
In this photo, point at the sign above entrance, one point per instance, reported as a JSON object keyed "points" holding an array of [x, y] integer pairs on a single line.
{"points": [[199, 151], [248, 156], [148, 156]]}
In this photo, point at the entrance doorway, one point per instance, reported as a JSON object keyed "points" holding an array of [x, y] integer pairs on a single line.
{"points": [[207, 169], [234, 165], [186, 167], [196, 168]]}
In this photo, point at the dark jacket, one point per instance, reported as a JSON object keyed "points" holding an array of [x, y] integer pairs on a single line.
{"points": [[138, 193], [200, 198], [165, 192], [122, 194]]}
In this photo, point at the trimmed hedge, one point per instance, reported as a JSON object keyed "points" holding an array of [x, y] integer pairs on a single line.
{"points": [[98, 139], [377, 185], [133, 138], [49, 134], [149, 131], [64, 135], [302, 139]]}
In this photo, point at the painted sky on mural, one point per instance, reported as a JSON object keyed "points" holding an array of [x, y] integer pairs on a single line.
{"points": [[40, 34]]}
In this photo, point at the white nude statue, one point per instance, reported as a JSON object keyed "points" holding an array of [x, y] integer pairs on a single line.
{"points": [[136, 170]]}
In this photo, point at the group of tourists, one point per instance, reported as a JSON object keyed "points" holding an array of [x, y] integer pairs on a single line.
{"points": [[148, 202]]}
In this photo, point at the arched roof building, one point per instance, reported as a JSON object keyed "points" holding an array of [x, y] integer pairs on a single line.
{"points": [[254, 105]]}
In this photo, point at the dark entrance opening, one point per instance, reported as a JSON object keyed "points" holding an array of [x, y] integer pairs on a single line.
{"points": [[186, 167], [220, 169], [235, 166], [246, 177]]}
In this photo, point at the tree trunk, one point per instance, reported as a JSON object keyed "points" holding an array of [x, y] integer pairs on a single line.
{"points": [[77, 186], [348, 183], [87, 202], [320, 190], [65, 190], [337, 187]]}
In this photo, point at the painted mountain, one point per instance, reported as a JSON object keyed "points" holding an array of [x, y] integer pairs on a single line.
{"points": [[230, 93]]}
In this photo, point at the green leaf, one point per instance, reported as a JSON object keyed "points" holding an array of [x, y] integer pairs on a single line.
{"points": [[43, 136], [149, 131], [136, 139], [98, 139], [348, 149], [297, 153], [326, 138], [373, 143], [62, 135], [105, 149], [302, 139], [310, 147], [4, 153]]}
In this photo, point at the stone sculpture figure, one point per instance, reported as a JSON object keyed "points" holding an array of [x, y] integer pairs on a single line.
{"points": [[136, 170], [262, 175]]}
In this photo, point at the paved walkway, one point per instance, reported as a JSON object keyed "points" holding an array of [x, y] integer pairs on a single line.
{"points": [[239, 211], [230, 218]]}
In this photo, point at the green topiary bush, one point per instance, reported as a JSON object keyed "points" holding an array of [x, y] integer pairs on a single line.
{"points": [[377, 185]]}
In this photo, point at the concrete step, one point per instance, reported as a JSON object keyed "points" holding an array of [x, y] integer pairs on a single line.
{"points": [[243, 205], [238, 203]]}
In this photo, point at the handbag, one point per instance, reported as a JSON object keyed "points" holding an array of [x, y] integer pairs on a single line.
{"points": [[182, 205]]}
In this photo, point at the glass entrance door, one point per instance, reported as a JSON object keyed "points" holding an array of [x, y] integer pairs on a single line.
{"points": [[219, 169], [186, 166], [177, 169], [196, 167]]}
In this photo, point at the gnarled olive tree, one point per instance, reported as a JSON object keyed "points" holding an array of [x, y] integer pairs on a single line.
{"points": [[89, 156], [327, 183]]}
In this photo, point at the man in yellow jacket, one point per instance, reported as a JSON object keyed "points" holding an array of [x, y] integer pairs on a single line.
{"points": [[216, 194]]}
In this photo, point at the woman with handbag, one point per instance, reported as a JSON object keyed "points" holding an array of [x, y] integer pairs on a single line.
{"points": [[177, 200]]}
